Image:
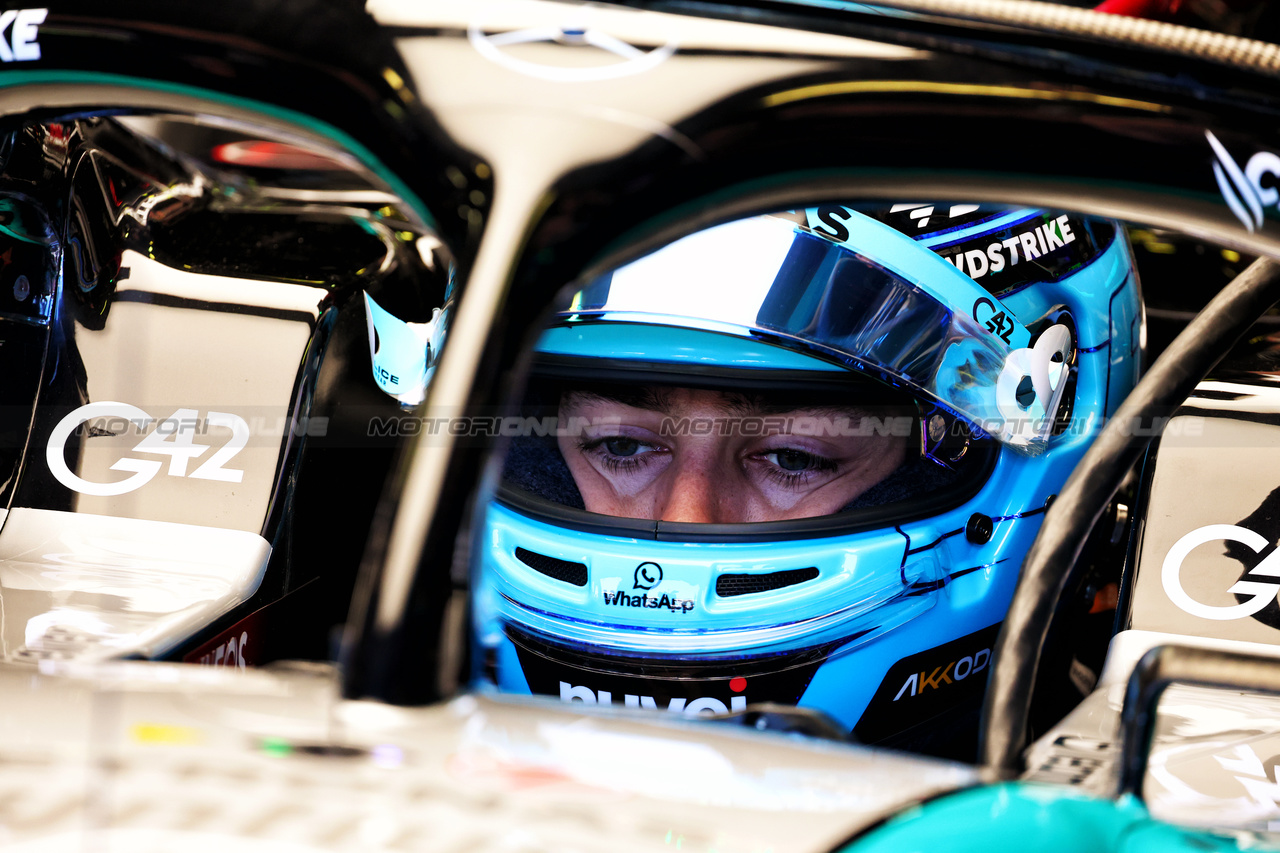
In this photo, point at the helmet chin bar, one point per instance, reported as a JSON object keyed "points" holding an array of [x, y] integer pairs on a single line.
{"points": [[679, 607]]}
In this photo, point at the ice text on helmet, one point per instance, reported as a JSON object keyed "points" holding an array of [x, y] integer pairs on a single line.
{"points": [[20, 44], [1023, 246], [1242, 189], [957, 670], [676, 705], [1261, 593]]}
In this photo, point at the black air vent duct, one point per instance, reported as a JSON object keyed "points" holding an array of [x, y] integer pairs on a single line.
{"points": [[730, 585], [561, 570]]}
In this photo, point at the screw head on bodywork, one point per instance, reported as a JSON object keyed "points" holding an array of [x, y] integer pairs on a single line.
{"points": [[979, 529]]}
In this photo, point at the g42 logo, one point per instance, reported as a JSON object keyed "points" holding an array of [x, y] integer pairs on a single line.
{"points": [[173, 436], [1262, 593], [998, 323], [1242, 190], [1031, 383]]}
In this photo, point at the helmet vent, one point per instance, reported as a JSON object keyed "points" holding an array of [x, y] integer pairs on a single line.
{"points": [[566, 571], [729, 585]]}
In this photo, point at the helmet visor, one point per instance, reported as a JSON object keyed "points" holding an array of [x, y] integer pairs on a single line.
{"points": [[860, 295]]}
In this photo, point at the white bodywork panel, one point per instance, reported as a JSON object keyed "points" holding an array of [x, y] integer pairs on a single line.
{"points": [[152, 757], [1213, 760], [76, 585]]}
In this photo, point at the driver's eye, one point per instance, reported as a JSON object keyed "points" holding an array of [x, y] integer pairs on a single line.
{"points": [[620, 446], [794, 460]]}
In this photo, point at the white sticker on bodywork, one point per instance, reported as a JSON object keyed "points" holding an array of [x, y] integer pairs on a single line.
{"points": [[173, 436], [1242, 189], [1261, 593]]}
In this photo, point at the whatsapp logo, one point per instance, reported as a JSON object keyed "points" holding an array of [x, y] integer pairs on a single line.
{"points": [[648, 575]]}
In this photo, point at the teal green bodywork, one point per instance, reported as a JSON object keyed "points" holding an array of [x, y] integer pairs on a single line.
{"points": [[1021, 816]]}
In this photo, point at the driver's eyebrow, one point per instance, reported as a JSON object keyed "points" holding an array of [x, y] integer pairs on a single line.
{"points": [[658, 398], [762, 405], [652, 397], [747, 406]]}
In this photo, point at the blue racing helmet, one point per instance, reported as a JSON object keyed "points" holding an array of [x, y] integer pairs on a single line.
{"points": [[981, 347]]}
